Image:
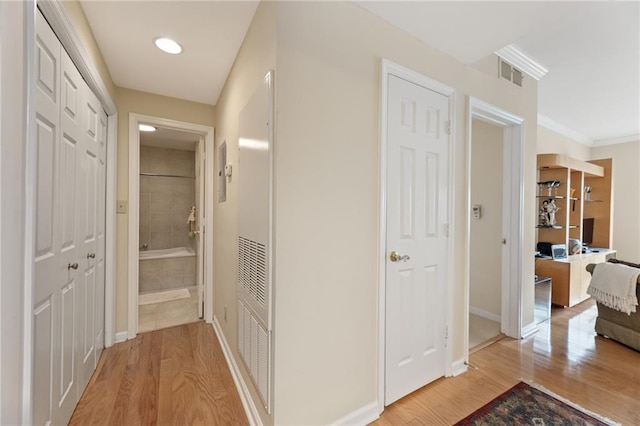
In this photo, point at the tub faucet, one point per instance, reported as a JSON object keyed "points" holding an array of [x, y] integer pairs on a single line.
{"points": [[144, 246]]}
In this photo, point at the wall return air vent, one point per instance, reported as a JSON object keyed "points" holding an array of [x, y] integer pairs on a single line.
{"points": [[511, 73]]}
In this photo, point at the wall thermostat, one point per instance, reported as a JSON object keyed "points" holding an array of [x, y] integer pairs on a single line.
{"points": [[477, 211]]}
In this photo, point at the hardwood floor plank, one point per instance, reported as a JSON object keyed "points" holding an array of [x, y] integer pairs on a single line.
{"points": [[565, 356], [174, 376]]}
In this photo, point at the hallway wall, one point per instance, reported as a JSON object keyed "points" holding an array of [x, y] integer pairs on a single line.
{"points": [[12, 208], [327, 220], [256, 57]]}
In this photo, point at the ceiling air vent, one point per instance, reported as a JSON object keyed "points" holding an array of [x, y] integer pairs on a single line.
{"points": [[511, 73]]}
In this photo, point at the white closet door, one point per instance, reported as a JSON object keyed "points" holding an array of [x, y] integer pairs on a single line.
{"points": [[100, 234], [89, 235], [57, 243], [70, 235]]}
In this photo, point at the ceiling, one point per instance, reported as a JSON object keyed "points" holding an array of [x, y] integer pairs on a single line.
{"points": [[210, 33], [591, 49], [169, 138]]}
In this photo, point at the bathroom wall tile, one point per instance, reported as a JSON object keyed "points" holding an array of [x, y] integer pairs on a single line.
{"points": [[173, 267], [183, 163], [160, 204], [171, 282], [179, 222], [160, 240], [180, 239], [184, 200], [159, 183], [150, 268], [190, 264], [145, 199], [144, 236], [145, 184], [160, 222]]}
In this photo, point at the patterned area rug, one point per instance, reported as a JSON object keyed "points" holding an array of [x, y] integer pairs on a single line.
{"points": [[526, 405]]}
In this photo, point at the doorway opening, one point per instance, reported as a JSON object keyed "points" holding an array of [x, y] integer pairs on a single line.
{"points": [[485, 262], [495, 141], [168, 228], [170, 210]]}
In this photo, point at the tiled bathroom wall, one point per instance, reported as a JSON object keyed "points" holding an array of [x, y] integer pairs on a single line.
{"points": [[165, 202]]}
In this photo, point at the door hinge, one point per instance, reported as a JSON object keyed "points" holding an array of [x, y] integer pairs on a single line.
{"points": [[445, 230], [448, 127], [446, 332]]}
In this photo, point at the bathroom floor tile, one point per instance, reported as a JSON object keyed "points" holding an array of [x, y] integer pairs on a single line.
{"points": [[168, 314]]}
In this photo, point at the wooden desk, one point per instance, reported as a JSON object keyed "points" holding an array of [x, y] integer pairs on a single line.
{"points": [[569, 276]]}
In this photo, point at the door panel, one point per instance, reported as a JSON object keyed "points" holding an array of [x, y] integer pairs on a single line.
{"points": [[90, 255], [68, 310], [417, 188], [54, 310]]}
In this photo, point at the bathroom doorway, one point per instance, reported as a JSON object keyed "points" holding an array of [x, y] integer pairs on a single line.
{"points": [[169, 213], [168, 228]]}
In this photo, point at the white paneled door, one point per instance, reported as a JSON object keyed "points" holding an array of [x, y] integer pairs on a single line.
{"points": [[68, 306], [57, 242], [416, 239]]}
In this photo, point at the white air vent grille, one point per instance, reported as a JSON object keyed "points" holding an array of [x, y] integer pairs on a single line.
{"points": [[511, 73], [254, 346], [252, 269]]}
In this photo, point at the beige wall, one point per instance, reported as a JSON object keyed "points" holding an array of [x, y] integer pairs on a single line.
{"points": [[13, 83], [256, 57], [132, 101], [626, 197], [80, 24], [485, 265], [328, 94], [553, 142]]}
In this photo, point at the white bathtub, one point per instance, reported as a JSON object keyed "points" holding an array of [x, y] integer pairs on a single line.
{"points": [[166, 269], [166, 253]]}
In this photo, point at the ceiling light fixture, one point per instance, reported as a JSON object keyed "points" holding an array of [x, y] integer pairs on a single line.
{"points": [[168, 45], [146, 128]]}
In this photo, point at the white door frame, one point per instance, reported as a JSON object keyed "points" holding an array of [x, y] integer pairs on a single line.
{"points": [[134, 211], [62, 26], [512, 221], [390, 68]]}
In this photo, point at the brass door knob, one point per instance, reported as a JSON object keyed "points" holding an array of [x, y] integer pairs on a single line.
{"points": [[395, 257], [72, 266], [91, 255]]}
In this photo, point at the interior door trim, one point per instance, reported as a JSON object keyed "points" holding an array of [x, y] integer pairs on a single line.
{"points": [[134, 212], [390, 68]]}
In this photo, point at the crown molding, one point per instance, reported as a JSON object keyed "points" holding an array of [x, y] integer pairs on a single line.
{"points": [[553, 125], [516, 57], [615, 141]]}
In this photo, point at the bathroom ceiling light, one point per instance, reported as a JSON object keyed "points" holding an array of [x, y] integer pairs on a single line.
{"points": [[146, 128], [168, 45]]}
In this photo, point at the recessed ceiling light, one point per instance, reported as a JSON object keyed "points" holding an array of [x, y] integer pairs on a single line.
{"points": [[146, 128], [168, 45]]}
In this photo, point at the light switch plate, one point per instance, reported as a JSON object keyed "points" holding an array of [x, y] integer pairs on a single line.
{"points": [[121, 206]]}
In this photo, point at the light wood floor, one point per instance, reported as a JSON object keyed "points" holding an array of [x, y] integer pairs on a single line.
{"points": [[175, 376], [179, 376], [565, 356]]}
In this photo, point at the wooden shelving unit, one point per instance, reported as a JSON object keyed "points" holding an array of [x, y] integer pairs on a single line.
{"points": [[569, 280]]}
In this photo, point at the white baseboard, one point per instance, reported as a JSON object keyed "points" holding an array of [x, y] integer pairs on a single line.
{"points": [[121, 337], [529, 330], [361, 416], [485, 314], [458, 368], [247, 402]]}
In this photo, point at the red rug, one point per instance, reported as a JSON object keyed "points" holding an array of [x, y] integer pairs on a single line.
{"points": [[526, 405]]}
